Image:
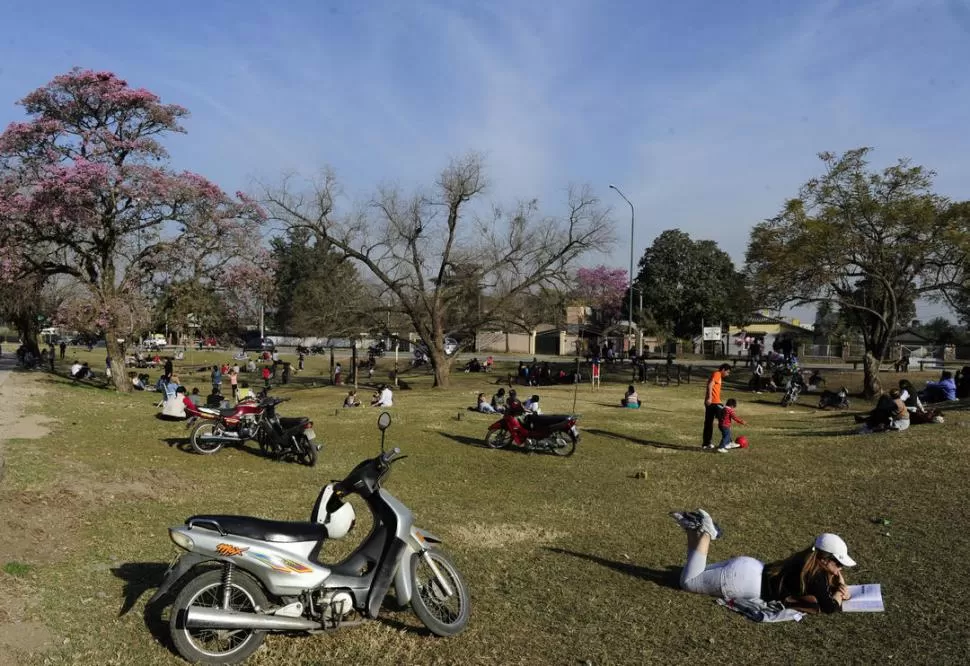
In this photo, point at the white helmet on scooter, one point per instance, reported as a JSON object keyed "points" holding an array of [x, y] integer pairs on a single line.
{"points": [[338, 517]]}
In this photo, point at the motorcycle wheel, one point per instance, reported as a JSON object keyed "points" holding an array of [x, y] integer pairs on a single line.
{"points": [[443, 616], [206, 429], [564, 444], [498, 439], [212, 646], [308, 452]]}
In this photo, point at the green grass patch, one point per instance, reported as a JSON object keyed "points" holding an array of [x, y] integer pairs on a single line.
{"points": [[568, 559], [17, 568]]}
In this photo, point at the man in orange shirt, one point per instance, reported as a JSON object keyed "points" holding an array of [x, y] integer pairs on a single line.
{"points": [[712, 402]]}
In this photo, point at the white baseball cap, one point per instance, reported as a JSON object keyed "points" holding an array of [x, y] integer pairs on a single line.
{"points": [[834, 546]]}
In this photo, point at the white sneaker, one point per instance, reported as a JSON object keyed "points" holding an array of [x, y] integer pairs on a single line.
{"points": [[722, 449], [708, 526], [732, 445]]}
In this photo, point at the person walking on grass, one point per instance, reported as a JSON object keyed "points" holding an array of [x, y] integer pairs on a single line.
{"points": [[234, 383], [724, 425], [266, 375], [809, 581], [216, 379], [712, 402]]}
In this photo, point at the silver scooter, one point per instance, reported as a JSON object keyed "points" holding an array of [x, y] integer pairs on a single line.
{"points": [[241, 577]]}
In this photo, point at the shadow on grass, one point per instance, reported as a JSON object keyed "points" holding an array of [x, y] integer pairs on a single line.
{"points": [[827, 433], [480, 443], [669, 577], [645, 442], [140, 577], [65, 380]]}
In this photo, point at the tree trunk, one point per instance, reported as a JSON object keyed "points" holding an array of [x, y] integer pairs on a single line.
{"points": [[440, 366], [871, 387], [119, 376], [29, 330]]}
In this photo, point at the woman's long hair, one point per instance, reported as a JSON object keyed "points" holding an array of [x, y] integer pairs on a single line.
{"points": [[802, 566]]}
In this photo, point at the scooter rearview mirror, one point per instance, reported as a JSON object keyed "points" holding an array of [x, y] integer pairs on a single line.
{"points": [[383, 423]]}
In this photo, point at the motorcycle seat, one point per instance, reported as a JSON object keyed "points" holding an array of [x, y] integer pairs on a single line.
{"points": [[260, 529], [288, 422], [548, 420]]}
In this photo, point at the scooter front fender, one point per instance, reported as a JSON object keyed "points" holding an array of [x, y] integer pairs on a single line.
{"points": [[415, 544]]}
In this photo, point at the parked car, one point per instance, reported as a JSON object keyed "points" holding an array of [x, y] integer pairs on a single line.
{"points": [[257, 344]]}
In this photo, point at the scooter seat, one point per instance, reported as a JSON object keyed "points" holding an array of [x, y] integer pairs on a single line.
{"points": [[260, 529], [548, 420]]}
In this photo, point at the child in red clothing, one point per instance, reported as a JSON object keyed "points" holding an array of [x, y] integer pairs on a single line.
{"points": [[724, 423]]}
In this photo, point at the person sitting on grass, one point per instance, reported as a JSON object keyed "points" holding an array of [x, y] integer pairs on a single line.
{"points": [[351, 399], [498, 401], [724, 425], [484, 406], [890, 413], [532, 405], [941, 391], [385, 398], [809, 581], [76, 369], [630, 398]]}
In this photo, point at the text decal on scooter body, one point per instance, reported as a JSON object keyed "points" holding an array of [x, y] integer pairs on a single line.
{"points": [[229, 550], [280, 564]]}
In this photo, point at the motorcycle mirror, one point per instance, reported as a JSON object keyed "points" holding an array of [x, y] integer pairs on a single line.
{"points": [[383, 423]]}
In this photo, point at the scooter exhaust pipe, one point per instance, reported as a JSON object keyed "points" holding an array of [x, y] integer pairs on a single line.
{"points": [[217, 618]]}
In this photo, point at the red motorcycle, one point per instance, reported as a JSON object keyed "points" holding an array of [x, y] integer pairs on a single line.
{"points": [[215, 427], [556, 433]]}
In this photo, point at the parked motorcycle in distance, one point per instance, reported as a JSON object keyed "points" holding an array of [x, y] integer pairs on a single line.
{"points": [[241, 577], [838, 399], [556, 433], [278, 437]]}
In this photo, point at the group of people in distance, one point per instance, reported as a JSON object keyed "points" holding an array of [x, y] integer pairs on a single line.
{"points": [[382, 397], [502, 403]]}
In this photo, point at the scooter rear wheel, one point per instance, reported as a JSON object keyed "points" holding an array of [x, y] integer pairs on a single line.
{"points": [[498, 439], [564, 444], [308, 452], [198, 438], [213, 646]]}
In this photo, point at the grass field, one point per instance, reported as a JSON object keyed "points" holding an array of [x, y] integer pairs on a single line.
{"points": [[569, 560]]}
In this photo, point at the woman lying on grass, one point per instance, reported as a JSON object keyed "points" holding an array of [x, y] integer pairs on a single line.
{"points": [[809, 581]]}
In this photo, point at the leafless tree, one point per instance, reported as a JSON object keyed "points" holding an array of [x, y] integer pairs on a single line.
{"points": [[430, 251]]}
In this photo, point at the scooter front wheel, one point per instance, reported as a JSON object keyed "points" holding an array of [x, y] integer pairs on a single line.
{"points": [[204, 438], [498, 439], [444, 612]]}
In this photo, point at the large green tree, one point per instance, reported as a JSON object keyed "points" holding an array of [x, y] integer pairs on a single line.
{"points": [[868, 242], [686, 283], [318, 292]]}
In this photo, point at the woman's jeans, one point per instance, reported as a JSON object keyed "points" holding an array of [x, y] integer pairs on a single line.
{"points": [[738, 578]]}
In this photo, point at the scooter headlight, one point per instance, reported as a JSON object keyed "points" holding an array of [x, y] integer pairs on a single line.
{"points": [[181, 539]]}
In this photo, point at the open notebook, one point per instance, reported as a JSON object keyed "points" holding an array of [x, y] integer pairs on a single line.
{"points": [[865, 599]]}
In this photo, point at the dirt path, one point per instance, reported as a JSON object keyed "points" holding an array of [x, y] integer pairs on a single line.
{"points": [[22, 631]]}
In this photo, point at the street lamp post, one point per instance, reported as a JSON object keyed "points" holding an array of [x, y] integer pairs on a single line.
{"points": [[632, 219]]}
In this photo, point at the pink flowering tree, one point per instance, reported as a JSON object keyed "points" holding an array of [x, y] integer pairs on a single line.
{"points": [[85, 192], [603, 289]]}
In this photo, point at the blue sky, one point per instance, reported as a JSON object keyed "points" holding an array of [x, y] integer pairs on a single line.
{"points": [[707, 114]]}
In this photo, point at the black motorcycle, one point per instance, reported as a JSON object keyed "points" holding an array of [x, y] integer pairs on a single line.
{"points": [[286, 438], [376, 351]]}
